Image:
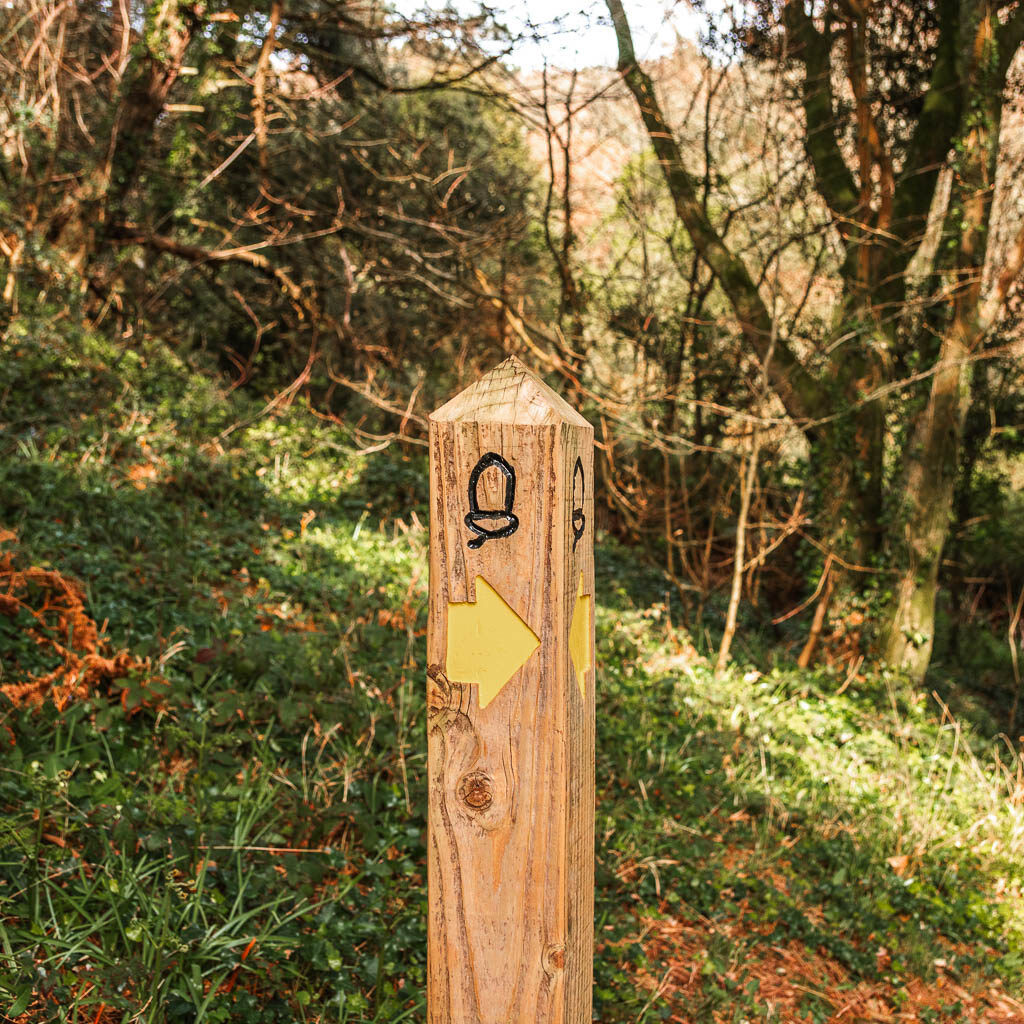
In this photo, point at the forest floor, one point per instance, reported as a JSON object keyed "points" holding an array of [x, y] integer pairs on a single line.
{"points": [[212, 786]]}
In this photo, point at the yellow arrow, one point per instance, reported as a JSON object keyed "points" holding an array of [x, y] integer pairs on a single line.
{"points": [[487, 642], [579, 638]]}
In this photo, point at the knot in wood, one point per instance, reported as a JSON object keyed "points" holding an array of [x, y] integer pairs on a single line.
{"points": [[442, 694], [554, 957], [475, 791]]}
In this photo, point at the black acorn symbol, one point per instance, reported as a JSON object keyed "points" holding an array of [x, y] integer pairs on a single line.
{"points": [[476, 514], [579, 520]]}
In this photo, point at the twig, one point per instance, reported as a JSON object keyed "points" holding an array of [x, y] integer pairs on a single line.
{"points": [[1011, 636], [747, 485]]}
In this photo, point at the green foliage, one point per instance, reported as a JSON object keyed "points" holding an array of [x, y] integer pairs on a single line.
{"points": [[146, 841], [352, 226], [820, 795], [245, 842]]}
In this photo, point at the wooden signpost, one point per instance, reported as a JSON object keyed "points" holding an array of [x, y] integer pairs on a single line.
{"points": [[511, 706]]}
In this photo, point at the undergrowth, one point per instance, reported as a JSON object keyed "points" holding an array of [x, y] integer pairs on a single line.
{"points": [[232, 828]]}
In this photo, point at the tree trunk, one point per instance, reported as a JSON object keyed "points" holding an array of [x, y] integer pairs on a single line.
{"points": [[932, 458], [933, 453], [147, 79]]}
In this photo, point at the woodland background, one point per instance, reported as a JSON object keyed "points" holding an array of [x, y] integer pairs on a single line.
{"points": [[247, 247]]}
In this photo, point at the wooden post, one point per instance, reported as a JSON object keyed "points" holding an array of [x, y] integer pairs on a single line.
{"points": [[510, 706]]}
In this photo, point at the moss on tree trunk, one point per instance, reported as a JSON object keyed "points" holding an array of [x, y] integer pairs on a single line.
{"points": [[932, 460]]}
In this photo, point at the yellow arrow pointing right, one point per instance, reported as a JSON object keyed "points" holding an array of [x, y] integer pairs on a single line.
{"points": [[487, 642]]}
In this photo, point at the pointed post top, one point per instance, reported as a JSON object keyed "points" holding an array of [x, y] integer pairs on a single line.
{"points": [[512, 394]]}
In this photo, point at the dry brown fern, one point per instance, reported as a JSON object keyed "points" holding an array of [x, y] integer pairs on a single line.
{"points": [[61, 625]]}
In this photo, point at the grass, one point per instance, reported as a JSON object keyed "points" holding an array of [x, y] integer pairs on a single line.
{"points": [[236, 832]]}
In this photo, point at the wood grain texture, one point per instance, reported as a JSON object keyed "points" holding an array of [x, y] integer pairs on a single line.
{"points": [[511, 800]]}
